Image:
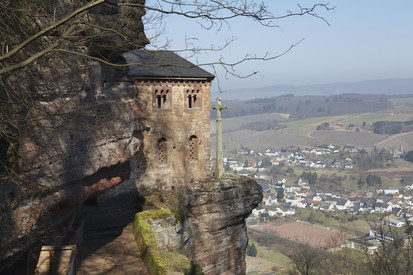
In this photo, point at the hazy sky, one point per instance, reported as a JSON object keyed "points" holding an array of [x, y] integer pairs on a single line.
{"points": [[365, 40]]}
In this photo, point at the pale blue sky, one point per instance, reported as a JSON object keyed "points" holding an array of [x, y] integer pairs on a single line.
{"points": [[366, 40]]}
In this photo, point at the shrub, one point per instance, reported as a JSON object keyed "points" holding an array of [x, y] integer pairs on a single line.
{"points": [[251, 250]]}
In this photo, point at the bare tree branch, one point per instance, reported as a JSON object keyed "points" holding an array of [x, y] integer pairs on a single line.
{"points": [[214, 12], [50, 28]]}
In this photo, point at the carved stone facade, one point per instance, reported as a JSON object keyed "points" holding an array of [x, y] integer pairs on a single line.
{"points": [[176, 98], [176, 143]]}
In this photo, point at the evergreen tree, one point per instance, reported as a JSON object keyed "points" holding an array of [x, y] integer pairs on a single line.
{"points": [[409, 156], [280, 194], [266, 162], [251, 250], [373, 180], [360, 183]]}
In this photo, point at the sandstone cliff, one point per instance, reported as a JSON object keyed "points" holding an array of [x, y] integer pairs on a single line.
{"points": [[68, 125], [207, 226], [215, 222]]}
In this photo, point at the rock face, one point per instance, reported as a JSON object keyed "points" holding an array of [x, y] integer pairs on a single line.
{"points": [[69, 163], [215, 233], [210, 230], [69, 130]]}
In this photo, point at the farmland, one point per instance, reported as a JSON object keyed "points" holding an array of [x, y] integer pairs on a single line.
{"points": [[300, 232], [348, 137], [236, 123], [302, 132], [405, 139]]}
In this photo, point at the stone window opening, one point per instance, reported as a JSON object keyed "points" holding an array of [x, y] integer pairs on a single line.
{"points": [[193, 98], [162, 151], [193, 148], [161, 99]]}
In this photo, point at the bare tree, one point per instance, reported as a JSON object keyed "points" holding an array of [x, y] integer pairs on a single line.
{"points": [[395, 251], [307, 259], [68, 26]]}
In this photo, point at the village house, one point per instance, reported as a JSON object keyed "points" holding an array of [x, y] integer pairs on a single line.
{"points": [[389, 236], [343, 204], [271, 200], [350, 149], [258, 210], [282, 211], [382, 207], [389, 191], [301, 182], [366, 244], [396, 223], [327, 206], [268, 152], [261, 176], [348, 166]]}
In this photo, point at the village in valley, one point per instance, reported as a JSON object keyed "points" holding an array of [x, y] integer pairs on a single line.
{"points": [[298, 182]]}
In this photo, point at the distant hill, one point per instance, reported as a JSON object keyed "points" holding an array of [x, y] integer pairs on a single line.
{"points": [[378, 87], [305, 106]]}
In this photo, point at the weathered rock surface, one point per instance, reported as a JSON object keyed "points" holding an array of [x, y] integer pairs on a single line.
{"points": [[215, 233], [71, 124], [62, 169]]}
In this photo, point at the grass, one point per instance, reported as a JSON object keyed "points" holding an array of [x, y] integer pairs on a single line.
{"points": [[406, 140], [348, 223], [373, 117], [402, 103], [272, 256], [305, 126]]}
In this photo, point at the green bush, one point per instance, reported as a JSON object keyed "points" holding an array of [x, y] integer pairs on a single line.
{"points": [[251, 250]]}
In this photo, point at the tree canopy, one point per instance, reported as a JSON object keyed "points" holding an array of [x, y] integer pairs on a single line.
{"points": [[409, 156]]}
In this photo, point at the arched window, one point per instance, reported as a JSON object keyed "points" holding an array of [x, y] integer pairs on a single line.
{"points": [[161, 98], [193, 98], [162, 151], [193, 148]]}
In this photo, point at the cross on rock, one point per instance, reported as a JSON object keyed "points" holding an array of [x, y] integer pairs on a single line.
{"points": [[219, 165]]}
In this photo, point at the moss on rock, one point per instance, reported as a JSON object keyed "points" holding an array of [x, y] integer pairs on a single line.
{"points": [[158, 262]]}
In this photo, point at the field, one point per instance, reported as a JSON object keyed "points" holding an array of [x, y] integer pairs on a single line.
{"points": [[304, 126], [348, 137], [370, 118], [235, 123], [259, 140], [357, 226], [266, 260], [405, 139], [403, 104], [303, 132], [259, 265], [316, 236]]}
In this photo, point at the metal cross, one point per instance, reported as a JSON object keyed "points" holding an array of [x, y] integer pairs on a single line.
{"points": [[219, 165]]}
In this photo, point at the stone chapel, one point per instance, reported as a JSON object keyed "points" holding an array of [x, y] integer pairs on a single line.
{"points": [[176, 93]]}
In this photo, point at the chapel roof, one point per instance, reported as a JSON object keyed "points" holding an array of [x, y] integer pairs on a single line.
{"points": [[163, 64]]}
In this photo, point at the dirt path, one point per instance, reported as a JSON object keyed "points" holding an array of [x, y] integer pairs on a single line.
{"points": [[111, 254], [392, 137]]}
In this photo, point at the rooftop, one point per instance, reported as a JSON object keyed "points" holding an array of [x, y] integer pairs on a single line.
{"points": [[163, 64]]}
